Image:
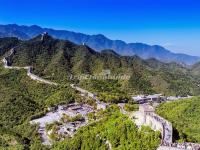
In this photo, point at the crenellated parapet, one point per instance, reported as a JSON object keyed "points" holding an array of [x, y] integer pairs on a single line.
{"points": [[147, 116], [156, 122]]}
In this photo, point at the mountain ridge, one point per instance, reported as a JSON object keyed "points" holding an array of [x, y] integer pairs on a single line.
{"points": [[100, 42], [56, 60]]}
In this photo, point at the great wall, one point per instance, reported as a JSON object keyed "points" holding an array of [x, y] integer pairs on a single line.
{"points": [[145, 116], [28, 68]]}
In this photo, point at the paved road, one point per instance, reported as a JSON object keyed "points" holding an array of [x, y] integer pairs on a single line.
{"points": [[83, 91]]}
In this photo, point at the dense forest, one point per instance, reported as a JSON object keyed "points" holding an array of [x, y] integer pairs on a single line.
{"points": [[22, 99], [115, 128], [184, 115], [59, 60]]}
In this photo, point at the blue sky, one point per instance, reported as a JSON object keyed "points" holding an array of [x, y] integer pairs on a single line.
{"points": [[174, 24]]}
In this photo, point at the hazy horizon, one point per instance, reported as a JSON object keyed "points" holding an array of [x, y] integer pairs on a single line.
{"points": [[172, 24]]}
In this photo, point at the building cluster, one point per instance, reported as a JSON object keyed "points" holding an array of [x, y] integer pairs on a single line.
{"points": [[67, 129], [141, 99], [56, 114], [173, 98], [76, 109]]}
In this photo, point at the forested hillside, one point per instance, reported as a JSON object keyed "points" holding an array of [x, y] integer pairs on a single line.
{"points": [[195, 70], [184, 116], [115, 128], [22, 99], [58, 60], [7, 43]]}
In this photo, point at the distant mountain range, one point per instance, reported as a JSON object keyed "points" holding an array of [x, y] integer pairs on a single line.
{"points": [[100, 42], [56, 60]]}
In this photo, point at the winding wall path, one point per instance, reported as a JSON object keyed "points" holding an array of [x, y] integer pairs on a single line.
{"points": [[28, 68], [145, 116], [166, 126]]}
